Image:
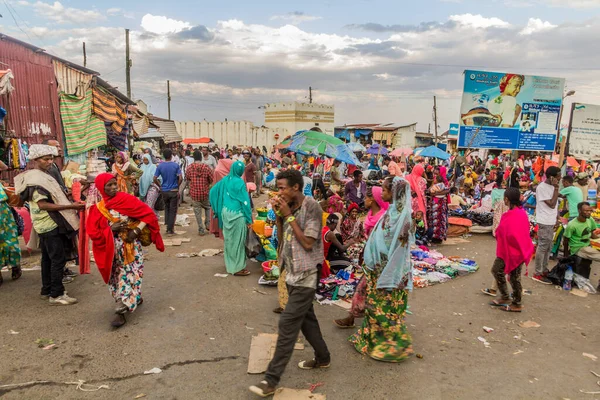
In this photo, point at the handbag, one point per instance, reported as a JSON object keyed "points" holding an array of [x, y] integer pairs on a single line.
{"points": [[160, 203], [253, 246], [19, 221]]}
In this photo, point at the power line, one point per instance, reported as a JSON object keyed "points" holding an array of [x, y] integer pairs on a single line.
{"points": [[14, 19]]}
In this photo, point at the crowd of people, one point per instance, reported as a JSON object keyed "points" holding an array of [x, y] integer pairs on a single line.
{"points": [[375, 213]]}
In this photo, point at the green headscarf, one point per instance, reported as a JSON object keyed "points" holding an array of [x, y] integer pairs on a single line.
{"points": [[231, 193]]}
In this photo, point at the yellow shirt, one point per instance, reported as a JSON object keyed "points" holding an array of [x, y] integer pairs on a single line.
{"points": [[41, 220]]}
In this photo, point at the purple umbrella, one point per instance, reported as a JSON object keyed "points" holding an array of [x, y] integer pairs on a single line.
{"points": [[377, 149]]}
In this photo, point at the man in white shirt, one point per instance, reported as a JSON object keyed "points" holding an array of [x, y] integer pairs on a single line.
{"points": [[208, 158], [546, 215]]}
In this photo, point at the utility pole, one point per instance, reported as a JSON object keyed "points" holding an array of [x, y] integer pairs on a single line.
{"points": [[169, 98], [435, 127], [127, 64], [84, 56], [310, 94]]}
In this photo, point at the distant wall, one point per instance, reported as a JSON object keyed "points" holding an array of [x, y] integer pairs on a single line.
{"points": [[233, 133]]}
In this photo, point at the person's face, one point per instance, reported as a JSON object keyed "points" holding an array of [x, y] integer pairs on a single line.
{"points": [[247, 157], [55, 143], [332, 226], [44, 163], [513, 87], [205, 152], [358, 178], [386, 192], [586, 211], [354, 214], [146, 161], [230, 152], [369, 201], [111, 188], [286, 192], [565, 183], [147, 151], [419, 215]]}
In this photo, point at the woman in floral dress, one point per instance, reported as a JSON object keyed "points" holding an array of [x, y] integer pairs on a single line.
{"points": [[10, 251], [118, 226], [383, 335]]}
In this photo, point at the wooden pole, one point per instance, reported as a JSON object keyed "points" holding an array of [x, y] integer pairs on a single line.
{"points": [[435, 121], [127, 64], [310, 94], [84, 56], [169, 98]]}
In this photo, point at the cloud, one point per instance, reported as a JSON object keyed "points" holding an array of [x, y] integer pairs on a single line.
{"points": [[478, 21], [199, 32], [373, 27], [161, 25], [536, 25], [114, 11], [56, 12], [295, 17]]}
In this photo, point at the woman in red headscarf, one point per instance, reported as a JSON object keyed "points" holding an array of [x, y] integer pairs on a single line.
{"points": [[118, 226]]}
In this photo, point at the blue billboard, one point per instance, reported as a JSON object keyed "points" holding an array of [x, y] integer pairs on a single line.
{"points": [[454, 128], [510, 111]]}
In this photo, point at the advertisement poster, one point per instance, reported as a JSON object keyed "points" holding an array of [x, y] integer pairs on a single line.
{"points": [[584, 142], [510, 111]]}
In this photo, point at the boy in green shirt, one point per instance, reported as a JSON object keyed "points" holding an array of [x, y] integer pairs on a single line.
{"points": [[573, 196], [579, 232]]}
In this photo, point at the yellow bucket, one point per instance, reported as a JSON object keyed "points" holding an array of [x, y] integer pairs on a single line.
{"points": [[259, 227]]}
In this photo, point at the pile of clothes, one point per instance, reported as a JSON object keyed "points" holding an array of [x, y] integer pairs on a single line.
{"points": [[339, 286], [432, 267]]}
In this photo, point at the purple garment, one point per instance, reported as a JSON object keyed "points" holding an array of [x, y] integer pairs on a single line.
{"points": [[350, 192]]}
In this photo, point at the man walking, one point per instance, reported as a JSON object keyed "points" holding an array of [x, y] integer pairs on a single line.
{"points": [[200, 177], [546, 215], [208, 158], [170, 172], [299, 225]]}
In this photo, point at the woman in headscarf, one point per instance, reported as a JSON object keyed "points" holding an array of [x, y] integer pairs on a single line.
{"points": [[230, 202], [373, 164], [438, 214], [351, 226], [388, 272], [148, 190], [148, 151], [10, 250], [335, 204], [222, 170], [377, 207], [118, 226], [418, 186], [125, 172]]}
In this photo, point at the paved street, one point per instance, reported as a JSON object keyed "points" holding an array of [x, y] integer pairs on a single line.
{"points": [[197, 328]]}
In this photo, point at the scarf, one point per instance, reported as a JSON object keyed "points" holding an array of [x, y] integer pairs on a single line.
{"points": [[35, 177], [103, 244], [148, 175], [223, 168], [514, 244], [386, 243], [371, 220], [373, 164], [229, 190], [413, 179]]}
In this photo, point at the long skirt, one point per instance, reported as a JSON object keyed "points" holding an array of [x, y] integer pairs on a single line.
{"points": [[10, 251], [438, 217], [125, 282], [214, 226], [383, 334], [234, 236]]}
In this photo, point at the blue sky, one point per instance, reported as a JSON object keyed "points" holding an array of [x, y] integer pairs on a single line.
{"points": [[377, 61]]}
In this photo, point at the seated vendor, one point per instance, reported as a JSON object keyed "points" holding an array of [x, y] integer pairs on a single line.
{"points": [[456, 201], [333, 248], [579, 232]]}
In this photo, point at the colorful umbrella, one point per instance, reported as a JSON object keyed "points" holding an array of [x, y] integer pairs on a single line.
{"points": [[402, 152], [356, 147], [377, 149], [318, 143], [433, 151]]}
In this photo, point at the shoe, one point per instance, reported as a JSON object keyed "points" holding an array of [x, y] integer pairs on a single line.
{"points": [[313, 364], [44, 296], [70, 273], [263, 389], [345, 323], [278, 310], [118, 321], [542, 279], [63, 300], [202, 233], [67, 279]]}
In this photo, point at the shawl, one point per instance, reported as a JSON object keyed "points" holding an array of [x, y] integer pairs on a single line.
{"points": [[147, 176], [371, 220], [373, 164], [103, 244], [119, 171], [125, 165], [514, 244], [413, 180], [35, 177], [386, 247], [222, 169], [230, 192]]}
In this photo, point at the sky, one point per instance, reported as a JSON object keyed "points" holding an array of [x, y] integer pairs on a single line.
{"points": [[377, 61]]}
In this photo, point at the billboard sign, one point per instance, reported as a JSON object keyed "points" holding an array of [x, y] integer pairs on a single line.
{"points": [[454, 128], [584, 141], [510, 111]]}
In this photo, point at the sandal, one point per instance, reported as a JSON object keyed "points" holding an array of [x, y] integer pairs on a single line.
{"points": [[118, 321], [243, 272], [278, 310], [499, 303], [489, 292], [16, 272], [345, 323], [511, 308]]}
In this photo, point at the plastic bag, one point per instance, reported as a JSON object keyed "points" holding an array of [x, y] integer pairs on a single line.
{"points": [[253, 246], [557, 274], [584, 284]]}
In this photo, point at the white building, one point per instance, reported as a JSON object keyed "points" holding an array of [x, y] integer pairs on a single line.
{"points": [[296, 116], [232, 133]]}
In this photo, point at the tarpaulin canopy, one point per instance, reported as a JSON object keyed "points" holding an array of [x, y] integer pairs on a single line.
{"points": [[197, 140], [433, 151]]}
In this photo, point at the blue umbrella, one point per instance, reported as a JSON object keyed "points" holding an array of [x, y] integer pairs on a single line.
{"points": [[318, 143], [433, 151], [356, 147], [377, 149]]}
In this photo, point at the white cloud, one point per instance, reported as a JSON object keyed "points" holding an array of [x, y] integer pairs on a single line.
{"points": [[536, 25], [478, 21], [295, 17], [56, 12], [114, 11], [162, 25]]}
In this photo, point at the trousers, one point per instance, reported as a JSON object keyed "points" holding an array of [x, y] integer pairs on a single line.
{"points": [[171, 199], [53, 263], [545, 240], [299, 315], [202, 207], [515, 281]]}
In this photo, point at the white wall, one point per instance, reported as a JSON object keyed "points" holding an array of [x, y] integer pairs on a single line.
{"points": [[296, 116], [406, 137], [233, 133]]}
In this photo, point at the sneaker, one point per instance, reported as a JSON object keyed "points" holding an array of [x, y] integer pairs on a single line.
{"points": [[63, 300], [312, 364], [44, 296], [67, 279], [542, 279], [263, 389], [70, 273]]}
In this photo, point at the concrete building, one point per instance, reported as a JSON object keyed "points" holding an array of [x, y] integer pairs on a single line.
{"points": [[390, 135], [232, 133], [296, 116]]}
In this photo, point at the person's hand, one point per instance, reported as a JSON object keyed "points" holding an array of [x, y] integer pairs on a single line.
{"points": [[132, 235], [117, 227], [78, 206], [283, 207]]}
